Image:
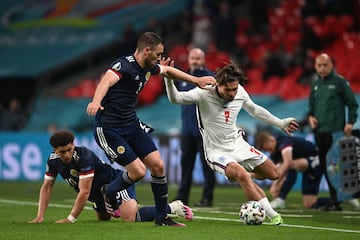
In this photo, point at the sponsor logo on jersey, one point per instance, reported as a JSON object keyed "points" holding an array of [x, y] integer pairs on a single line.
{"points": [[147, 76], [74, 173], [120, 149], [117, 66]]}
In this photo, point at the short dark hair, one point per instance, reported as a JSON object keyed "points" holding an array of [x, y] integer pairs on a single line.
{"points": [[148, 39], [61, 138], [230, 73], [260, 139]]}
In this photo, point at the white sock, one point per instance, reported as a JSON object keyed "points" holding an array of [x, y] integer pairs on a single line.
{"points": [[278, 199], [354, 202], [270, 212]]}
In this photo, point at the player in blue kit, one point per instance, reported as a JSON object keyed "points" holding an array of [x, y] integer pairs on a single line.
{"points": [[86, 173], [117, 128], [293, 154]]}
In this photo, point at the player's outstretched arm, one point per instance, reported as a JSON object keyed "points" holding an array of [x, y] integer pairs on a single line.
{"points": [[174, 73], [287, 124], [44, 198], [80, 201]]}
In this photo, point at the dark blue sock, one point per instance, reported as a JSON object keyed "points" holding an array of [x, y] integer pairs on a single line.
{"points": [[322, 201], [121, 182], [288, 184], [146, 214], [160, 190]]}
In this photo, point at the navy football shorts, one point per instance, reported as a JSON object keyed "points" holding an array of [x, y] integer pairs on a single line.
{"points": [[124, 145]]}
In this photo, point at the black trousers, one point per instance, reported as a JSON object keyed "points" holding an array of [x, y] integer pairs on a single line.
{"points": [[190, 146], [324, 141]]}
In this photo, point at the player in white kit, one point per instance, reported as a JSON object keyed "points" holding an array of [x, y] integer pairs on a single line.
{"points": [[225, 149]]}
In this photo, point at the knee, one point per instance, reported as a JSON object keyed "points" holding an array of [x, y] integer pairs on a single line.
{"points": [[128, 210], [103, 216], [157, 168], [137, 173], [237, 173]]}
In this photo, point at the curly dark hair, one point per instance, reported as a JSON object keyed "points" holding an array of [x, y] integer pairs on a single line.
{"points": [[230, 73], [61, 138]]}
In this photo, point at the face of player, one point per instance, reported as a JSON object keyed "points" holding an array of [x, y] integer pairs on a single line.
{"points": [[228, 91], [196, 59], [65, 152], [153, 56], [323, 66]]}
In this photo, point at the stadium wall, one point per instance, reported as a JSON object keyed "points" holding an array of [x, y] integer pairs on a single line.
{"points": [[23, 157]]}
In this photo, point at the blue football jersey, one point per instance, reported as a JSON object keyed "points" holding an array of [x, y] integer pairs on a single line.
{"points": [[121, 99], [84, 164], [301, 147]]}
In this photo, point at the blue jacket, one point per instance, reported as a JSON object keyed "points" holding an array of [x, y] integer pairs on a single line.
{"points": [[188, 112]]}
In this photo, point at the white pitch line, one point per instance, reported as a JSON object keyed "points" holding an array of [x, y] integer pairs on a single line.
{"points": [[283, 225], [25, 203]]}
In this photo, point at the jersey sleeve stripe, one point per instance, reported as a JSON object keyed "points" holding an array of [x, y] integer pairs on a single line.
{"points": [[88, 175], [49, 177], [116, 72]]}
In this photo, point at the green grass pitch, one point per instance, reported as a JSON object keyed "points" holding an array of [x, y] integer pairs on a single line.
{"points": [[18, 205]]}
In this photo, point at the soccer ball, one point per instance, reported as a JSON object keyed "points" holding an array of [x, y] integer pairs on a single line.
{"points": [[252, 213]]}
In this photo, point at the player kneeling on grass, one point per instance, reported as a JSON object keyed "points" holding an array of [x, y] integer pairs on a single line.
{"points": [[292, 155], [87, 174]]}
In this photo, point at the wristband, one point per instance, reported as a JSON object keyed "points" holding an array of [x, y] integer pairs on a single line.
{"points": [[71, 218]]}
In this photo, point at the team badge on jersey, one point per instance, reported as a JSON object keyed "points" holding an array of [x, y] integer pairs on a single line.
{"points": [[117, 66], [147, 76], [74, 173], [120, 149]]}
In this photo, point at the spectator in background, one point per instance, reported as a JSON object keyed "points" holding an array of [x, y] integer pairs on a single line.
{"points": [[1, 115], [259, 15], [13, 118], [273, 66], [128, 40], [225, 30], [202, 20], [191, 142], [308, 74], [330, 95]]}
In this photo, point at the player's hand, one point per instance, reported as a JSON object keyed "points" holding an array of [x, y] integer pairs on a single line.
{"points": [[37, 220], [290, 125], [312, 122], [166, 61], [93, 107], [206, 82], [65, 220], [348, 129]]}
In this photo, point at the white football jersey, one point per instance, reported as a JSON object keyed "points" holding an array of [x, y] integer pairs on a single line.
{"points": [[217, 118]]}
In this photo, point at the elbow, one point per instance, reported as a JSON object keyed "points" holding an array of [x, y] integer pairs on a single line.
{"points": [[172, 100]]}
